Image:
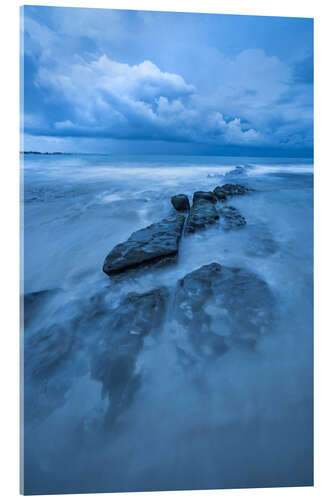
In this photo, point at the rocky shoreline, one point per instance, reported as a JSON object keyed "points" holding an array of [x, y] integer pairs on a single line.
{"points": [[215, 307], [160, 241]]}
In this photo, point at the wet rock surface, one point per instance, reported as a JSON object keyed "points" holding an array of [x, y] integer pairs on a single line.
{"points": [[202, 214], [232, 189], [180, 202], [114, 361], [219, 193], [220, 306], [149, 245], [204, 195], [231, 218]]}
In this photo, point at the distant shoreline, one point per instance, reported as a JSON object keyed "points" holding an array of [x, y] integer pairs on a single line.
{"points": [[282, 157], [39, 153]]}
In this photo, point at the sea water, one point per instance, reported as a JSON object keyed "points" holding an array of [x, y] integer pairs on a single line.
{"points": [[248, 421]]}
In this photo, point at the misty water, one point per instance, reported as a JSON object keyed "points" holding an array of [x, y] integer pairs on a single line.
{"points": [[243, 418]]}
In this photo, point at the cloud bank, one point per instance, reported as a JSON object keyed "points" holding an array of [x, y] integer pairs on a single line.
{"points": [[75, 88]]}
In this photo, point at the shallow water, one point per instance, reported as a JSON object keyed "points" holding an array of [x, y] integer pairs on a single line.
{"points": [[242, 420]]}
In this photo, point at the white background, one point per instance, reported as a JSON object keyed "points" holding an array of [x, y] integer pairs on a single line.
{"points": [[322, 11]]}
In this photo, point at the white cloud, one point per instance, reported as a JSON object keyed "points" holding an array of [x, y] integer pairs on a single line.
{"points": [[248, 99], [114, 99]]}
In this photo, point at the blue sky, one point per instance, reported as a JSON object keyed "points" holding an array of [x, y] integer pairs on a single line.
{"points": [[134, 82]]}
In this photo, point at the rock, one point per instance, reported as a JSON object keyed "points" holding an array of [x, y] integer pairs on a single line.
{"points": [[51, 350], [236, 171], [114, 362], [204, 195], [232, 218], [149, 245], [33, 302], [47, 349], [180, 202], [232, 189], [202, 214], [219, 193], [220, 306], [261, 242]]}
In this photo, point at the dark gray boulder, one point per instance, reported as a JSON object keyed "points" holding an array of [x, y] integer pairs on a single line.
{"points": [[114, 359], [232, 218], [149, 245], [232, 189], [202, 214], [204, 195], [220, 306], [180, 202]]}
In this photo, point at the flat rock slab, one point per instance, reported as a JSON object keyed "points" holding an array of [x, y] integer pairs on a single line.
{"points": [[202, 214], [232, 218], [149, 245], [220, 306]]}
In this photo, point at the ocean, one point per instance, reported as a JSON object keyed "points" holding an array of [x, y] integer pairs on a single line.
{"points": [[242, 419]]}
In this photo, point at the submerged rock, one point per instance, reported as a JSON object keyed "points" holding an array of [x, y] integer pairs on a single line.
{"points": [[49, 357], [149, 245], [261, 242], [232, 218], [114, 362], [236, 171], [219, 306], [202, 214], [180, 202], [204, 195], [232, 189], [46, 350], [33, 302]]}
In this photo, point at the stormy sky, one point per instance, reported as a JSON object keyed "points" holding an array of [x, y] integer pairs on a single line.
{"points": [[136, 82]]}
